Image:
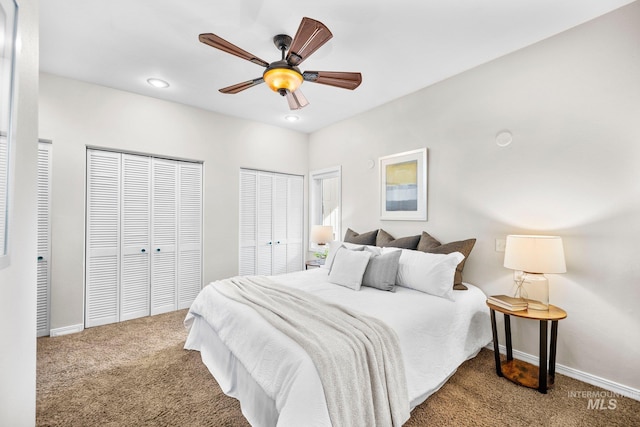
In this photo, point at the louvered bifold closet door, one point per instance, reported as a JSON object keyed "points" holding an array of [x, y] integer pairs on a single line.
{"points": [[280, 199], [164, 236], [265, 224], [44, 238], [189, 233], [136, 223], [295, 218], [248, 222], [103, 243], [4, 196]]}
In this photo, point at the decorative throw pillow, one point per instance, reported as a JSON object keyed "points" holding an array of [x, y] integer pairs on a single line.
{"points": [[429, 273], [348, 268], [462, 246], [382, 270], [427, 242], [385, 239], [361, 239], [354, 247], [333, 249]]}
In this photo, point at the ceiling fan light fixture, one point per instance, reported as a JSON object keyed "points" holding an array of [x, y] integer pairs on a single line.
{"points": [[279, 79]]}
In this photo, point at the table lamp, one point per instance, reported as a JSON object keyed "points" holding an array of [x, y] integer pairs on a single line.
{"points": [[534, 256], [321, 234]]}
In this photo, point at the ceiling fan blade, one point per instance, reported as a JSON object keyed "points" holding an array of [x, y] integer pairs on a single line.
{"points": [[296, 100], [220, 43], [310, 36], [334, 78], [242, 86]]}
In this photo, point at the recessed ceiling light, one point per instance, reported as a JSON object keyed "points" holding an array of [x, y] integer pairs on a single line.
{"points": [[158, 83], [291, 118]]}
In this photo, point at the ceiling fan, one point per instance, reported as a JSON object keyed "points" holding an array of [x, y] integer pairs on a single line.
{"points": [[284, 76]]}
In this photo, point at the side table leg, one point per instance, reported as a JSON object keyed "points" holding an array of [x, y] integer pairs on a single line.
{"points": [[542, 378], [496, 349], [552, 352], [507, 333]]}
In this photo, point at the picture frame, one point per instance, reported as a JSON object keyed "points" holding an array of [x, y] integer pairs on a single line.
{"points": [[8, 35], [403, 186]]}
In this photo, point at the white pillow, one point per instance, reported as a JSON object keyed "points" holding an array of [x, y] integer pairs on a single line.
{"points": [[375, 250], [348, 268], [386, 250], [353, 246], [429, 273], [333, 248], [335, 245]]}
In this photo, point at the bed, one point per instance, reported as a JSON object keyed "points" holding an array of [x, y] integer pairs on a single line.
{"points": [[276, 381]]}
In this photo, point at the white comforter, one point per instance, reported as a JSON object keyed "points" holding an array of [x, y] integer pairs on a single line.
{"points": [[436, 335]]}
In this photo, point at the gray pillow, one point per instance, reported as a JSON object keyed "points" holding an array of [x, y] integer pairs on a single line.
{"points": [[382, 271], [361, 239], [348, 268], [386, 240]]}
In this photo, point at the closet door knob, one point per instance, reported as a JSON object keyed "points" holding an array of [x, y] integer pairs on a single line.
{"points": [[143, 250], [278, 242], [158, 250], [270, 243], [40, 258]]}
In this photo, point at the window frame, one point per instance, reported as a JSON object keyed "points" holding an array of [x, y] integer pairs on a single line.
{"points": [[315, 199]]}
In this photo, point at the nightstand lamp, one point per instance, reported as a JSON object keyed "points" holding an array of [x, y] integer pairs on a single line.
{"points": [[533, 256], [321, 234]]}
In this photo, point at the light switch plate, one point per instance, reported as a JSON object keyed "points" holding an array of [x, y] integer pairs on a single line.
{"points": [[500, 245]]}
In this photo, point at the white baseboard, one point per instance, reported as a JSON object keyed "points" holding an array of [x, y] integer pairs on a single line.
{"points": [[72, 329], [615, 387]]}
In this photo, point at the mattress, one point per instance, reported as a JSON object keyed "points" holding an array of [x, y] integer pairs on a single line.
{"points": [[436, 335]]}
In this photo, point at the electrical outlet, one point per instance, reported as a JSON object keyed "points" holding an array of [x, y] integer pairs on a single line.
{"points": [[501, 245]]}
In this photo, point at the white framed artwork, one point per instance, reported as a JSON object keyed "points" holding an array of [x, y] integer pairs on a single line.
{"points": [[403, 186]]}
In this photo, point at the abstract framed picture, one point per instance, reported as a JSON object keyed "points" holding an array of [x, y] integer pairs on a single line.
{"points": [[8, 20], [403, 186]]}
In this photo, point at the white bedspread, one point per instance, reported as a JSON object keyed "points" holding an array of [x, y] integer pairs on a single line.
{"points": [[436, 335]]}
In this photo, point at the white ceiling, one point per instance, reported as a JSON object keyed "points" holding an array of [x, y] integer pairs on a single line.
{"points": [[399, 46]]}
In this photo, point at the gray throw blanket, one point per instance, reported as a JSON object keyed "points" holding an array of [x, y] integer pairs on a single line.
{"points": [[357, 357]]}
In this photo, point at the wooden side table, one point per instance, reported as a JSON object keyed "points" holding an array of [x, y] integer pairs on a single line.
{"points": [[520, 372], [313, 263]]}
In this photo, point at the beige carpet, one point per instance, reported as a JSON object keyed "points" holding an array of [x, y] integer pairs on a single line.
{"points": [[136, 373]]}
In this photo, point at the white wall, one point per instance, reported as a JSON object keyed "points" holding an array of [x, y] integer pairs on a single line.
{"points": [[18, 281], [74, 114], [573, 105]]}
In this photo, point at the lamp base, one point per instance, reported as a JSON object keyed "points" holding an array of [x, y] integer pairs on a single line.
{"points": [[537, 287], [532, 287]]}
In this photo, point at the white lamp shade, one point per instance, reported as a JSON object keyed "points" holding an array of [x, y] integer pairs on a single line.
{"points": [[535, 254], [321, 234]]}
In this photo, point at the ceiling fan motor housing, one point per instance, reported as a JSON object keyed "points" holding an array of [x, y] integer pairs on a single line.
{"points": [[282, 41]]}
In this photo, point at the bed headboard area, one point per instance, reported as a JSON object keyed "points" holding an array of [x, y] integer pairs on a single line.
{"points": [[422, 242]]}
